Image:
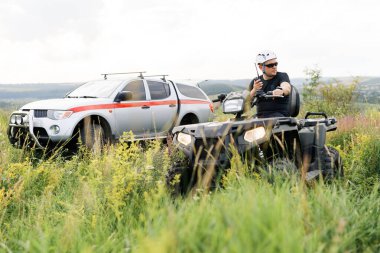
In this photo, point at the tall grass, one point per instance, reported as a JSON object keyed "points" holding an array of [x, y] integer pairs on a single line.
{"points": [[358, 140], [117, 202]]}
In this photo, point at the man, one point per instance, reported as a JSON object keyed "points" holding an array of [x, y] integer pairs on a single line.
{"points": [[271, 80]]}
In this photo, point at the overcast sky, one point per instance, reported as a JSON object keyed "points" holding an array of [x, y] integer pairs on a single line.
{"points": [[76, 40]]}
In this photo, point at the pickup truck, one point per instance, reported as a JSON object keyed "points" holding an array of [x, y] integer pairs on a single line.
{"points": [[104, 109]]}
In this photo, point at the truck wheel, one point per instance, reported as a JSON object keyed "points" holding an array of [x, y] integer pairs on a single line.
{"points": [[178, 180], [93, 137], [333, 166]]}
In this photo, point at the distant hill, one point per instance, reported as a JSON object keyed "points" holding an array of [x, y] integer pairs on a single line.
{"points": [[214, 87], [368, 89], [14, 95], [35, 90]]}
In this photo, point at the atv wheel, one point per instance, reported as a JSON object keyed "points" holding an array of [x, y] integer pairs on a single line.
{"points": [[178, 180], [282, 166], [333, 166]]}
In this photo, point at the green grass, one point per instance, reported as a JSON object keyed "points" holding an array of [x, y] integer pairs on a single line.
{"points": [[117, 202]]}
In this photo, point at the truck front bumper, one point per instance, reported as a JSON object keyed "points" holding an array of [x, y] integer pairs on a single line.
{"points": [[28, 131]]}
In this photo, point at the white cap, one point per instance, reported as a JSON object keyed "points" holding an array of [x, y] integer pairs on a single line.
{"points": [[265, 56]]}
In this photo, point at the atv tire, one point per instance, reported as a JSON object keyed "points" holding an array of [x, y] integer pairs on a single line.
{"points": [[333, 166], [179, 180], [284, 166]]}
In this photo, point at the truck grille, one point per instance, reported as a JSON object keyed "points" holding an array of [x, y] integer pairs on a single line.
{"points": [[40, 113]]}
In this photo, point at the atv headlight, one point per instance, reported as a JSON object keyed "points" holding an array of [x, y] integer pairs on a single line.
{"points": [[57, 115], [233, 106], [184, 139], [255, 134]]}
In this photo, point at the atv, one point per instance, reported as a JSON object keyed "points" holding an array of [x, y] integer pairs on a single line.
{"points": [[202, 152]]}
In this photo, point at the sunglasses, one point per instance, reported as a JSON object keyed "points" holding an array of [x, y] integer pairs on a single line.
{"points": [[271, 65]]}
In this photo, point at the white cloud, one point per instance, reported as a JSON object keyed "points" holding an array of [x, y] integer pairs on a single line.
{"points": [[75, 40], [26, 20]]}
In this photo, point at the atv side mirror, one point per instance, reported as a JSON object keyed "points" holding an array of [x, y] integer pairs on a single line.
{"points": [[220, 98], [123, 96]]}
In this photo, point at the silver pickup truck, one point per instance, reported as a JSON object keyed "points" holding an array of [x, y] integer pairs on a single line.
{"points": [[105, 109]]}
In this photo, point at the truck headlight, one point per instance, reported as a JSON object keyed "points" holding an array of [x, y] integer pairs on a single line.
{"points": [[184, 139], [255, 134], [18, 119], [25, 119], [13, 119], [58, 115], [233, 106]]}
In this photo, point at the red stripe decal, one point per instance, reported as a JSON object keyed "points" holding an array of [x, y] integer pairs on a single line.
{"points": [[134, 104], [189, 102], [92, 107]]}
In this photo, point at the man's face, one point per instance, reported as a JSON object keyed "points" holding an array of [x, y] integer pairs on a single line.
{"points": [[270, 69]]}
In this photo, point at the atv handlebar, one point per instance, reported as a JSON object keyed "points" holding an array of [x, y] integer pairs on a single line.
{"points": [[269, 94], [259, 94]]}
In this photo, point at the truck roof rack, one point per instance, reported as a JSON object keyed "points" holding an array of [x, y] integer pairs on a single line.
{"points": [[163, 78], [126, 73]]}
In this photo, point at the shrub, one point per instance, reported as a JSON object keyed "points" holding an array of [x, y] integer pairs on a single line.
{"points": [[336, 98]]}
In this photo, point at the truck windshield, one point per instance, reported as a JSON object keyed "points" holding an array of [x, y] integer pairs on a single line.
{"points": [[95, 89]]}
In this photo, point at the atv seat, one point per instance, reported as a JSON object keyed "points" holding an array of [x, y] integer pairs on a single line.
{"points": [[294, 102]]}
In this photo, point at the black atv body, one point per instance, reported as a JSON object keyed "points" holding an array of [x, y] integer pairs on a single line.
{"points": [[207, 147]]}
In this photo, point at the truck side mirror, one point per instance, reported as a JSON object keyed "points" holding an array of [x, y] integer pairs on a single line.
{"points": [[123, 96]]}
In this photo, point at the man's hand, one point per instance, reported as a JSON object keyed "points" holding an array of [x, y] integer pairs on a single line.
{"points": [[278, 92], [285, 86], [257, 85]]}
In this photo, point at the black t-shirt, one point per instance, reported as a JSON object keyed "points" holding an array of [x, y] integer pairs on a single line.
{"points": [[272, 107]]}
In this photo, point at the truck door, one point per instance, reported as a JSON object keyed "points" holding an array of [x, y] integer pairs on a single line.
{"points": [[134, 115], [164, 105]]}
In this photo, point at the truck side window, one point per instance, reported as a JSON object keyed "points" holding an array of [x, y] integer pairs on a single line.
{"points": [[158, 90], [190, 91], [137, 88]]}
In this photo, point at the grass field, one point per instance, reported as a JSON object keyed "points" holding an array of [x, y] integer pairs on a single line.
{"points": [[117, 202]]}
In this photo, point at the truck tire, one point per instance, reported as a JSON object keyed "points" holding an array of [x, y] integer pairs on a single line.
{"points": [[93, 137], [333, 166]]}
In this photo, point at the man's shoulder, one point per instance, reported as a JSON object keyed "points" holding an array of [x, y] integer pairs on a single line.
{"points": [[283, 76]]}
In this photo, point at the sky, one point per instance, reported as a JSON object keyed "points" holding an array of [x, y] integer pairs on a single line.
{"points": [[77, 40]]}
